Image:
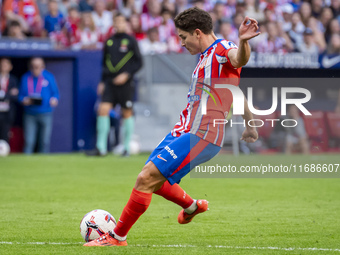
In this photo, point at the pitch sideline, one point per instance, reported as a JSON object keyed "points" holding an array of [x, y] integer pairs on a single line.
{"points": [[188, 246]]}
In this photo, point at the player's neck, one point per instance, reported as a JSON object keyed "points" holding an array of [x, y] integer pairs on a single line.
{"points": [[207, 41]]}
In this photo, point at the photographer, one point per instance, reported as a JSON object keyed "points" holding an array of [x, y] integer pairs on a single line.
{"points": [[39, 95]]}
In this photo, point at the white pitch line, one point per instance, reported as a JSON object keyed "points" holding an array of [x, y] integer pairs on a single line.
{"points": [[190, 246]]}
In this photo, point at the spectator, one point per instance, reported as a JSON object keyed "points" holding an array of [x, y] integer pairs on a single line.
{"points": [[335, 6], [308, 45], [126, 7], [151, 45], [273, 42], [332, 28], [86, 5], [305, 12], [87, 36], [136, 27], [296, 138], [167, 28], [253, 10], [72, 24], [241, 7], [15, 31], [287, 14], [325, 17], [317, 6], [296, 32], [181, 5], [26, 12], [101, 17], [319, 37], [8, 95], [296, 5], [43, 7], [39, 95], [170, 6], [153, 18], [54, 21], [65, 5], [228, 31], [269, 13], [334, 45], [220, 14]]}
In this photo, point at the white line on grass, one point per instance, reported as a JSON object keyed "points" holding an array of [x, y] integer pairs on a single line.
{"points": [[190, 246]]}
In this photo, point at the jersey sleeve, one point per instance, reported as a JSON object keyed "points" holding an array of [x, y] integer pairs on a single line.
{"points": [[222, 54]]}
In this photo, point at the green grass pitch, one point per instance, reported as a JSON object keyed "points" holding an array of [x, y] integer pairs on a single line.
{"points": [[43, 199]]}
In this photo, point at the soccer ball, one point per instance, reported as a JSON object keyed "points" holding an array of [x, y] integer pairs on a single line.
{"points": [[4, 148], [95, 224]]}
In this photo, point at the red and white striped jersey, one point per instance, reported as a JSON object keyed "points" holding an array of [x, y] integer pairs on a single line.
{"points": [[205, 102]]}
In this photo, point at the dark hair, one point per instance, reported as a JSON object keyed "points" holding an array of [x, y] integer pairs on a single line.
{"points": [[194, 18]]}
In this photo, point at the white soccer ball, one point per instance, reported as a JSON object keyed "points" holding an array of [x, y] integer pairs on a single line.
{"points": [[4, 148], [95, 224]]}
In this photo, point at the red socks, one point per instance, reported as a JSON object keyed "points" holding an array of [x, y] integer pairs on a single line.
{"points": [[176, 194], [136, 206], [140, 201]]}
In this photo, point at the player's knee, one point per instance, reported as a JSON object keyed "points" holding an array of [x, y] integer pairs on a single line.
{"points": [[104, 110], [146, 180]]}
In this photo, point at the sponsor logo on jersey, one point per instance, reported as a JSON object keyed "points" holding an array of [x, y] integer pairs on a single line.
{"points": [[194, 98], [167, 148], [123, 45]]}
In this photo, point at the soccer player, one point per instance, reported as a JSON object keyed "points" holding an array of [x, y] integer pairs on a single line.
{"points": [[121, 60], [194, 139]]}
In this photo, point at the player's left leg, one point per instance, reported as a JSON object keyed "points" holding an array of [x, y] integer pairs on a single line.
{"points": [[125, 98], [128, 128], [175, 157]]}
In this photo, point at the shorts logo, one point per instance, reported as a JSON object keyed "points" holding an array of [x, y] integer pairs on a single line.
{"points": [[159, 156], [171, 152]]}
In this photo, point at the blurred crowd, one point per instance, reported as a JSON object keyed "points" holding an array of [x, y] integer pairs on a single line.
{"points": [[311, 26]]}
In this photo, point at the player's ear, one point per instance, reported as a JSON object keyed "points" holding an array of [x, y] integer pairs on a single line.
{"points": [[197, 33]]}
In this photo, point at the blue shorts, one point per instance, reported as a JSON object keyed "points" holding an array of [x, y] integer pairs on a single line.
{"points": [[176, 156]]}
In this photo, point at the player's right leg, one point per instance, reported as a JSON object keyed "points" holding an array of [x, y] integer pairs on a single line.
{"points": [[103, 129], [149, 180]]}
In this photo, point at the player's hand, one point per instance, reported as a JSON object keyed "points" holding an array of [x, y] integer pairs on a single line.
{"points": [[121, 79], [249, 135], [26, 101], [248, 30], [53, 102], [100, 88]]}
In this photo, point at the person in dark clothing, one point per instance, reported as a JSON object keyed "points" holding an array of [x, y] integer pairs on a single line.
{"points": [[121, 60], [8, 95]]}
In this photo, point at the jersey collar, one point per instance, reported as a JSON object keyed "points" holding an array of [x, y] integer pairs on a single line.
{"points": [[217, 41]]}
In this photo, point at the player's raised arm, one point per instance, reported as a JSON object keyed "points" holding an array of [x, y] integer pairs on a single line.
{"points": [[248, 29]]}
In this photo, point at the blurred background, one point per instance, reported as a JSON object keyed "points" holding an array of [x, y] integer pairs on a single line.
{"points": [[299, 39]]}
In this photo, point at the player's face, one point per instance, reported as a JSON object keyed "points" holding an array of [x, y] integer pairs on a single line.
{"points": [[120, 24], [189, 41]]}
